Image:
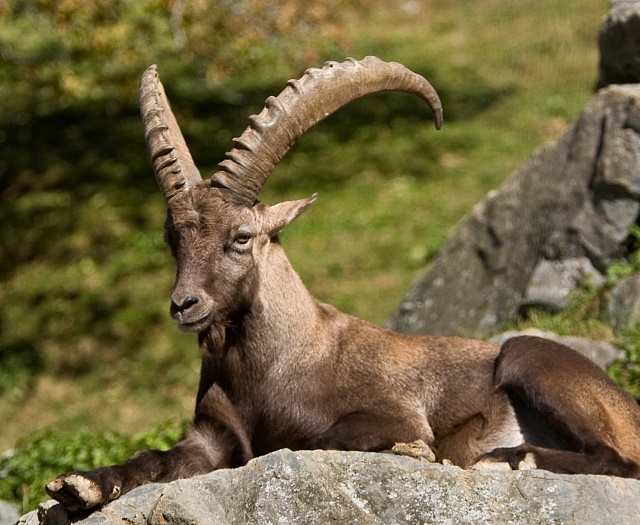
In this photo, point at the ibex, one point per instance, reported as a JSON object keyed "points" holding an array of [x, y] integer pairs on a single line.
{"points": [[281, 369]]}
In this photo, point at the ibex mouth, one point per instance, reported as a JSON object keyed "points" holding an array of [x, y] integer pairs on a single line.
{"points": [[192, 314], [193, 326]]}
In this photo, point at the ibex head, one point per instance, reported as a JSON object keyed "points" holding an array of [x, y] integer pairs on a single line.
{"points": [[216, 229], [218, 243]]}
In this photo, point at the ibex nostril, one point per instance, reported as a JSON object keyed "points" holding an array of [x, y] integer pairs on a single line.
{"points": [[188, 303], [181, 306]]}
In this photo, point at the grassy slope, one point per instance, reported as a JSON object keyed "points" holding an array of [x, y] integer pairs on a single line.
{"points": [[511, 75]]}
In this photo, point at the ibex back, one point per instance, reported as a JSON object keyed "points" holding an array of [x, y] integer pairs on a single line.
{"points": [[280, 369]]}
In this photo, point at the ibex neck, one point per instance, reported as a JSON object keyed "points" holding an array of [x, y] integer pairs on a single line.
{"points": [[282, 318], [284, 309]]}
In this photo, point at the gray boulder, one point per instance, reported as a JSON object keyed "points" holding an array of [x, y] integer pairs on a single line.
{"points": [[573, 200], [620, 44], [364, 488], [8, 513], [623, 307], [553, 281]]}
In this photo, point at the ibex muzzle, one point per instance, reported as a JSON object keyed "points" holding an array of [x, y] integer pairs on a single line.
{"points": [[280, 369]]}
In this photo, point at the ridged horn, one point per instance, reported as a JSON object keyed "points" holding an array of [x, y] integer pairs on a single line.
{"points": [[301, 105], [172, 163]]}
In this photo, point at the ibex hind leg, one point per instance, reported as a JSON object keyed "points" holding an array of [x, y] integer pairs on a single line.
{"points": [[574, 419], [601, 460]]}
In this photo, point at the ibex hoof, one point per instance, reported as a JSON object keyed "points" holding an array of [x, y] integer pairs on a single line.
{"points": [[490, 464], [516, 458], [75, 492], [416, 449], [528, 463]]}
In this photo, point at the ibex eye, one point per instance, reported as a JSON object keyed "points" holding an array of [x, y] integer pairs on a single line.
{"points": [[242, 238]]}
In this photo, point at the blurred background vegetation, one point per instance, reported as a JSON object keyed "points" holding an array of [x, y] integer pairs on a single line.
{"points": [[86, 344]]}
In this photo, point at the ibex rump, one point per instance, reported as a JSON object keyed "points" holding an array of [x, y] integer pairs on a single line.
{"points": [[280, 369]]}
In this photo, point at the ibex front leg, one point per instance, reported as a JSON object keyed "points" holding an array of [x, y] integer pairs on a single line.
{"points": [[216, 440]]}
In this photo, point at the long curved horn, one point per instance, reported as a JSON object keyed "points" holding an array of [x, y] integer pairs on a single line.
{"points": [[172, 163], [301, 105]]}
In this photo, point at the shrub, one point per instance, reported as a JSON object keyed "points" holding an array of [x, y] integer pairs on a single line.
{"points": [[42, 455]]}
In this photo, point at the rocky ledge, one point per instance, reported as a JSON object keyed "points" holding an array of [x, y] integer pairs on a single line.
{"points": [[308, 487]]}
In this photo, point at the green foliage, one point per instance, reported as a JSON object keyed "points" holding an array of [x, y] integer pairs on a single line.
{"points": [[41, 456], [629, 265], [583, 316], [61, 54], [20, 364], [626, 371]]}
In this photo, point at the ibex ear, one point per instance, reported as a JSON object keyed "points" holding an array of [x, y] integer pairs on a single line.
{"points": [[279, 215]]}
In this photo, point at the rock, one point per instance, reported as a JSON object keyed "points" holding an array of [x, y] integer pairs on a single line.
{"points": [[623, 307], [620, 44], [52, 513], [8, 513], [573, 199], [600, 352], [365, 488], [553, 281]]}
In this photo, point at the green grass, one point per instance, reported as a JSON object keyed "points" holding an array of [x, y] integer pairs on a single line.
{"points": [[86, 344], [47, 453], [626, 372], [510, 78]]}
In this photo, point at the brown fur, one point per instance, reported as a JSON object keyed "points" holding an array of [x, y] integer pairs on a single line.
{"points": [[280, 369]]}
